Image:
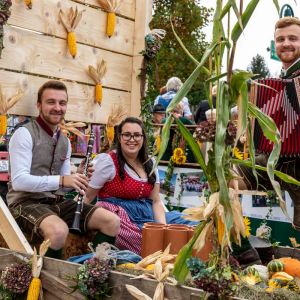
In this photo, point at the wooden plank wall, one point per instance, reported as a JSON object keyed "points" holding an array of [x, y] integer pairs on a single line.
{"points": [[36, 50]]}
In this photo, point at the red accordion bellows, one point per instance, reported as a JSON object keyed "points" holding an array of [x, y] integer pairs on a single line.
{"points": [[281, 103]]}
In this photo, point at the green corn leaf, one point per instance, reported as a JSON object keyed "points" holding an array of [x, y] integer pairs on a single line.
{"points": [[225, 9], [180, 267], [284, 177], [252, 151], [271, 132], [276, 3], [220, 150], [193, 145], [215, 78], [192, 78], [165, 136], [237, 29]]}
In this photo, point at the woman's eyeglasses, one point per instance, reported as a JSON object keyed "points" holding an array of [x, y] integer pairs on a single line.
{"points": [[127, 136]]}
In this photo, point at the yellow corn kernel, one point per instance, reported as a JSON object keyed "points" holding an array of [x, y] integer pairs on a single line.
{"points": [[3, 124], [220, 230], [110, 134], [158, 143], [72, 43], [28, 3], [111, 24], [34, 289], [98, 93]]}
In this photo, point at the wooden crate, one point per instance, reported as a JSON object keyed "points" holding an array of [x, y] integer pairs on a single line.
{"points": [[56, 284]]}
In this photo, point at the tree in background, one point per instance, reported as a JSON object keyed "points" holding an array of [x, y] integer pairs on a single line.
{"points": [[189, 18], [259, 66]]}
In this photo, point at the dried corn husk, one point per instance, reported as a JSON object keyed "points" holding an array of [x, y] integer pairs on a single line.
{"points": [[7, 103], [97, 76], [111, 7], [70, 19], [115, 117], [136, 293], [71, 127]]}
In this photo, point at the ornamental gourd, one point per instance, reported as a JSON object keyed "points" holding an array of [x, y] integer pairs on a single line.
{"points": [[291, 266], [274, 266]]}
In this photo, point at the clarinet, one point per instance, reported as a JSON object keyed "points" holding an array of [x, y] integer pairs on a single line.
{"points": [[76, 221]]}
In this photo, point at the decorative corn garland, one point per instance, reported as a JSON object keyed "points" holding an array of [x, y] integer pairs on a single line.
{"points": [[5, 105], [37, 264], [97, 75], [110, 6], [70, 20], [28, 3], [114, 119]]}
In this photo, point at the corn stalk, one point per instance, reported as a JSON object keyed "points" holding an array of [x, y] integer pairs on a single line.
{"points": [[225, 215]]}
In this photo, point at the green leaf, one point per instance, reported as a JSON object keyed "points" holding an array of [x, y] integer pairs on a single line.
{"points": [[192, 78], [285, 177], [222, 120], [276, 3], [215, 78], [237, 29], [193, 145], [165, 136]]}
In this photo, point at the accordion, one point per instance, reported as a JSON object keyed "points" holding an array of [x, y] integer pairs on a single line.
{"points": [[279, 99]]}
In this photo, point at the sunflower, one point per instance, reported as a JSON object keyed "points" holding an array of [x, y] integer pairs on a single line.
{"points": [[177, 153], [247, 223], [180, 160], [237, 153]]}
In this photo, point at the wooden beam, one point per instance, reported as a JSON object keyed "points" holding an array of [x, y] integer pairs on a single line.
{"points": [[143, 12], [11, 232]]}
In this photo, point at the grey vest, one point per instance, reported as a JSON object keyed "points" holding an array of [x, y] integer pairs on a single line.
{"points": [[48, 157]]}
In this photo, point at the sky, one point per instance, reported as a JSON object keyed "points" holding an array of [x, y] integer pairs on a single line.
{"points": [[258, 33]]}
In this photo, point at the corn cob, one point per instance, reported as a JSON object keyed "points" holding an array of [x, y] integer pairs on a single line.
{"points": [[70, 21], [110, 134], [72, 43], [97, 75], [34, 289], [98, 93], [110, 6], [3, 124], [28, 3], [111, 24]]}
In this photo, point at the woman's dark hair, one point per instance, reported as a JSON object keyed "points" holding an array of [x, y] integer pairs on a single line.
{"points": [[142, 155]]}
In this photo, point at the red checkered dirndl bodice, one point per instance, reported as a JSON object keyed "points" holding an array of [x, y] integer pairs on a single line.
{"points": [[129, 188]]}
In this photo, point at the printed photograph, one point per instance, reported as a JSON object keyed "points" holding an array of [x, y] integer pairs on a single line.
{"points": [[270, 200], [193, 184], [162, 179]]}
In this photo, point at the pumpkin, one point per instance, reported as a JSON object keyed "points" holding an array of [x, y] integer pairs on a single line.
{"points": [[262, 270], [291, 266], [282, 276], [251, 276], [274, 266]]}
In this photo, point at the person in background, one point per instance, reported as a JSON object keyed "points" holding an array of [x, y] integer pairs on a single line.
{"points": [[200, 114], [173, 86], [39, 158], [158, 113], [287, 45]]}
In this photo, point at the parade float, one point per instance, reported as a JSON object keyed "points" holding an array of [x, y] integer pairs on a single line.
{"points": [[96, 48]]}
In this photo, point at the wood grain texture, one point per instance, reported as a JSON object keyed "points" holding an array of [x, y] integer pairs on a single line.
{"points": [[142, 19], [43, 17], [48, 56], [81, 106], [127, 7]]}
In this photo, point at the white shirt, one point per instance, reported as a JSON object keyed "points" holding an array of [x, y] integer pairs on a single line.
{"points": [[20, 156], [105, 171]]}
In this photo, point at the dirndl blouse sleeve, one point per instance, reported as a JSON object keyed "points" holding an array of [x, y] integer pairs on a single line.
{"points": [[104, 171]]}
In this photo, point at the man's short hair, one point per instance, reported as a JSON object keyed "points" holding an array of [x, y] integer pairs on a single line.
{"points": [[174, 84], [51, 84], [159, 108], [287, 21]]}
